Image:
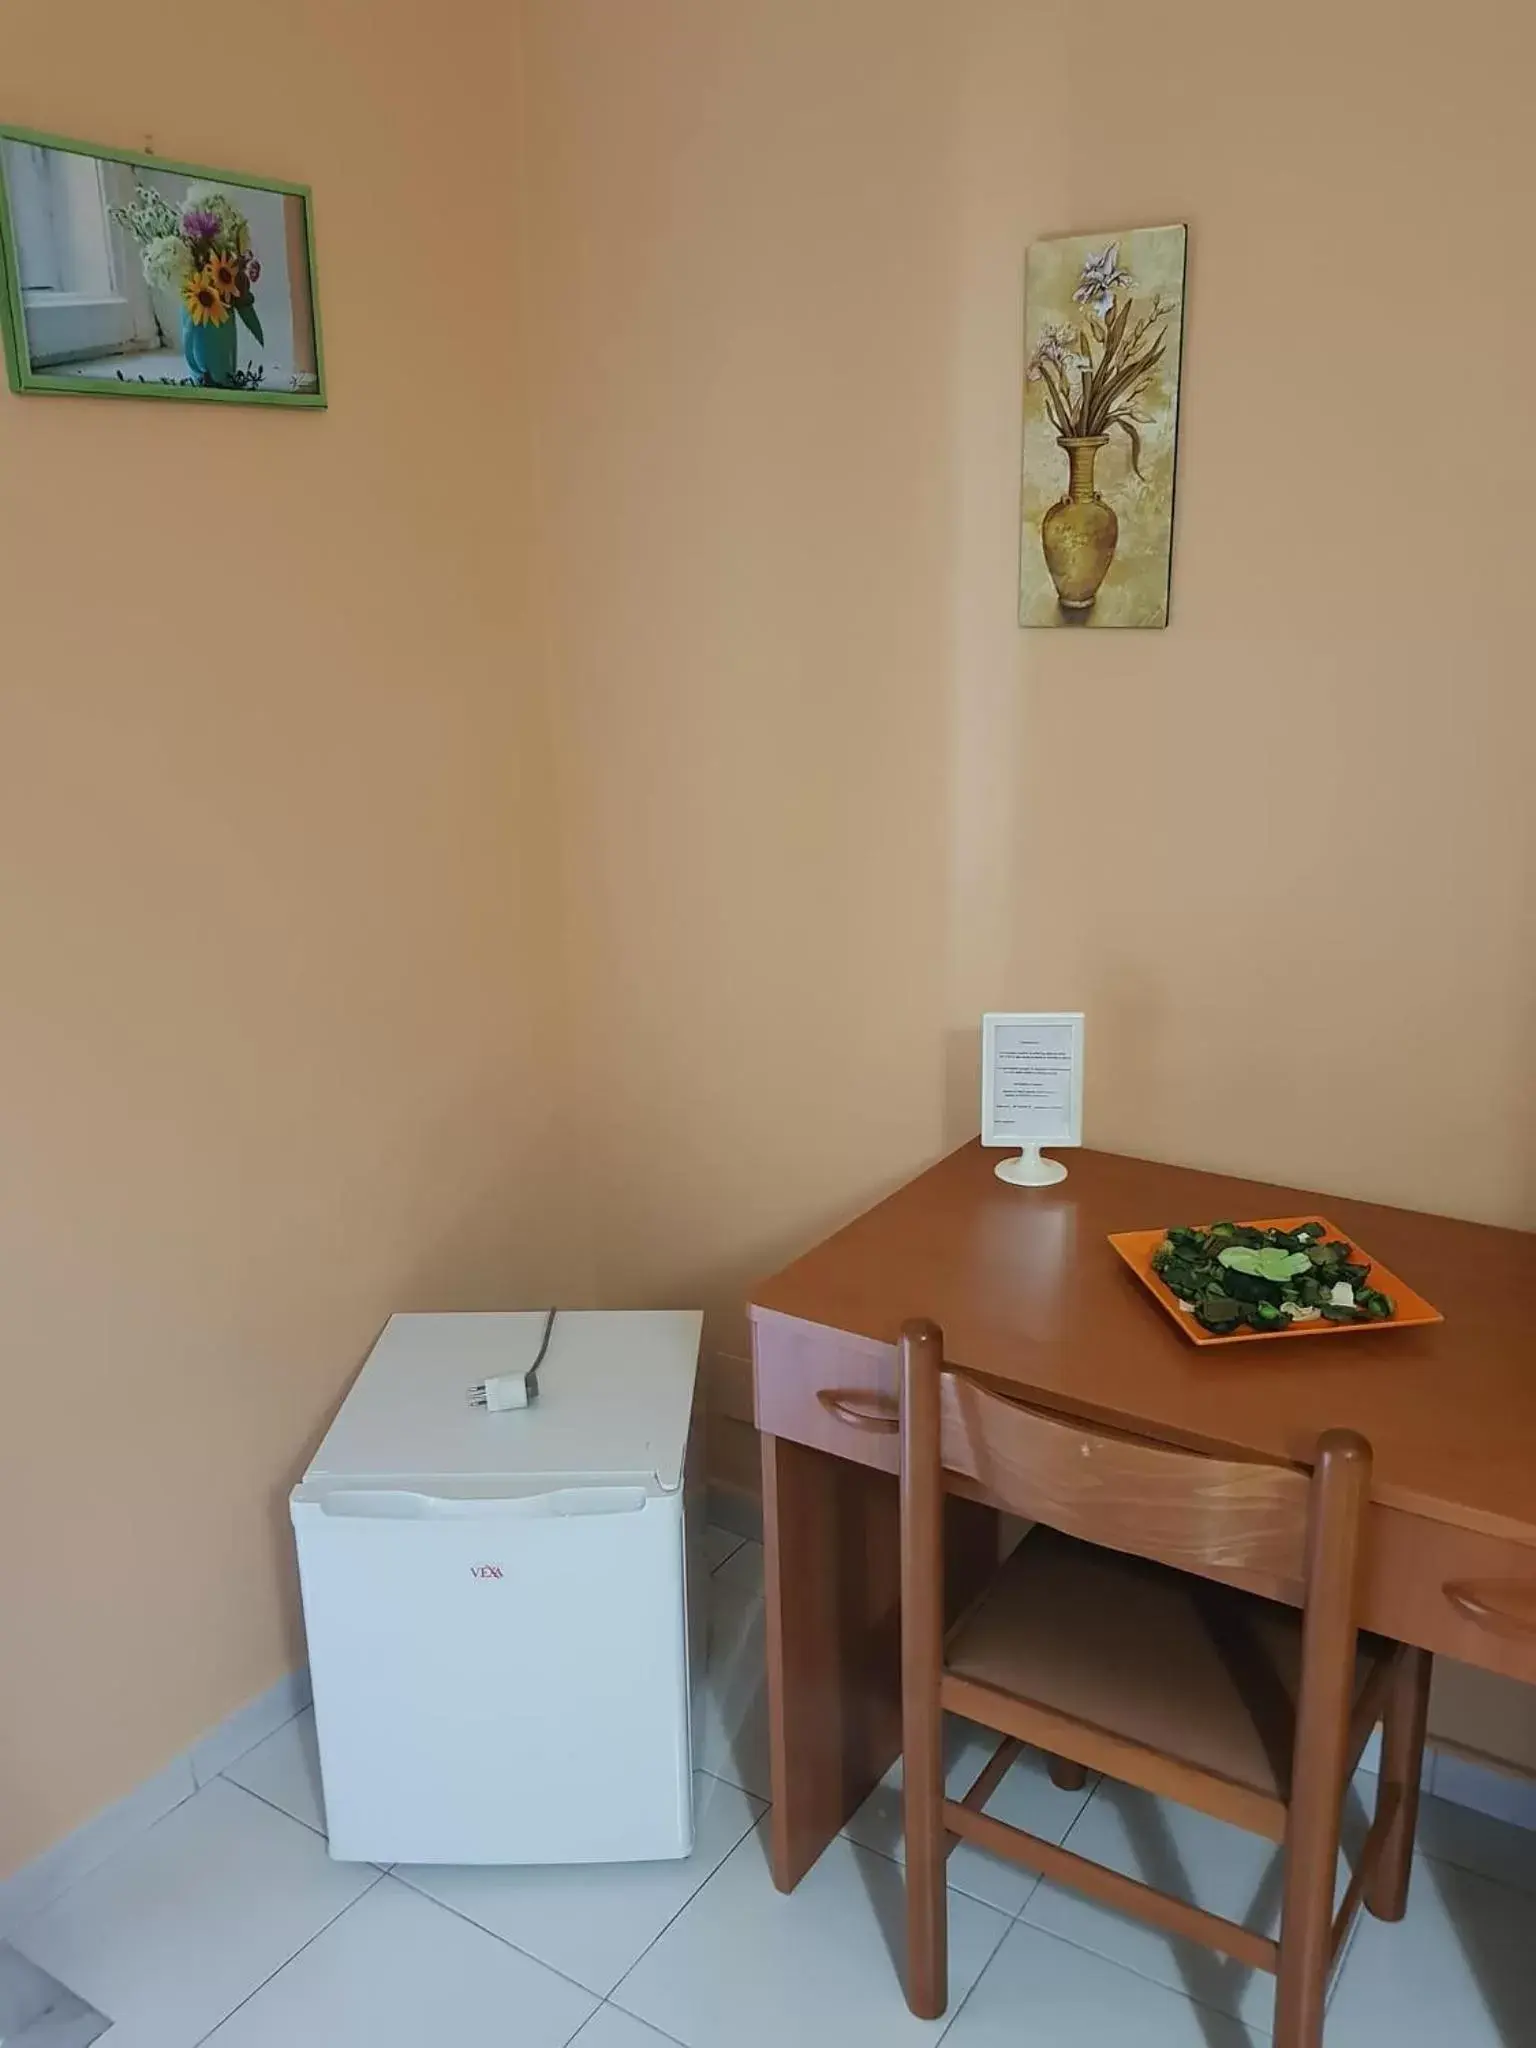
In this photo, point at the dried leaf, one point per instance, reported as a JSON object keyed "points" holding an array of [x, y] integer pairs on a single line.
{"points": [[1128, 381], [1056, 399], [1114, 331], [1123, 421]]}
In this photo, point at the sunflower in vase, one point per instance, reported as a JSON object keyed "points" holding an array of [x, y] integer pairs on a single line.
{"points": [[201, 253]]}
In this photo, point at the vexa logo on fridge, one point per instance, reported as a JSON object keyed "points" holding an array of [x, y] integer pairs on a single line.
{"points": [[486, 1571]]}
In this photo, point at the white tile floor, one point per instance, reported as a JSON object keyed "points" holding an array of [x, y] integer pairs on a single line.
{"points": [[228, 1924]]}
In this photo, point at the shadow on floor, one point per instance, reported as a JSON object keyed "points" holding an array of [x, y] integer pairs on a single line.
{"points": [[36, 2007], [1496, 1929]]}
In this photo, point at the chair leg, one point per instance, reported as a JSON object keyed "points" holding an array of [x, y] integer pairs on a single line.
{"points": [[922, 1795], [1066, 1775], [1340, 1487], [1306, 1932], [1402, 1761]]}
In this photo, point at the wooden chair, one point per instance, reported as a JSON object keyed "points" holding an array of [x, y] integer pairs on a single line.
{"points": [[1097, 1643]]}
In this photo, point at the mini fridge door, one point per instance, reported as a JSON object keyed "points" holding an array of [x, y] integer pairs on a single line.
{"points": [[499, 1679]]}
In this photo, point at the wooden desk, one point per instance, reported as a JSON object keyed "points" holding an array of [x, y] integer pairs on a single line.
{"points": [[1027, 1290]]}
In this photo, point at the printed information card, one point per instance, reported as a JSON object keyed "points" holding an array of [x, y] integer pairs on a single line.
{"points": [[1032, 1078]]}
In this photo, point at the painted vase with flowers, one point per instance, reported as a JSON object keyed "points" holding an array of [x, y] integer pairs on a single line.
{"points": [[1093, 373], [200, 251]]}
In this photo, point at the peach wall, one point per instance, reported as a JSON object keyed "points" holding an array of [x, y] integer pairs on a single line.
{"points": [[826, 802], [277, 922], [289, 899]]}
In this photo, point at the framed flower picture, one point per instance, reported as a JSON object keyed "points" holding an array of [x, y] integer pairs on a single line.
{"points": [[1104, 321], [129, 276]]}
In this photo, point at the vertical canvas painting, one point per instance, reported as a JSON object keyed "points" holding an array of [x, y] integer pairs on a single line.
{"points": [[1103, 324]]}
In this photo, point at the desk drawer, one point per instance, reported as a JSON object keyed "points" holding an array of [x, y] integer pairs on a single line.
{"points": [[828, 1389], [1453, 1591], [838, 1393], [1446, 1589]]}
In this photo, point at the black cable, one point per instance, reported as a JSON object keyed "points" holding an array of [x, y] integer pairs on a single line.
{"points": [[533, 1370]]}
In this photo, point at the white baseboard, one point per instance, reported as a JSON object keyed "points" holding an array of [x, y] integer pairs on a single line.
{"points": [[1500, 1794], [37, 1883], [739, 1513], [1460, 1780], [250, 1724], [1463, 1781]]}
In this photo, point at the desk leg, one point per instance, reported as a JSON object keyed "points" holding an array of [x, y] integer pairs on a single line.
{"points": [[833, 1584], [1402, 1762]]}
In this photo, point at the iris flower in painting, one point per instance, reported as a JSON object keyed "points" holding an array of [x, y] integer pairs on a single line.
{"points": [[1094, 374], [1057, 346], [1102, 277]]}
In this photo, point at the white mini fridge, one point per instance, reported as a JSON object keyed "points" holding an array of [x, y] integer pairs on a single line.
{"points": [[497, 1604]]}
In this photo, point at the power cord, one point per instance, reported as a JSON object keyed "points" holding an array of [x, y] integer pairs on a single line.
{"points": [[504, 1390]]}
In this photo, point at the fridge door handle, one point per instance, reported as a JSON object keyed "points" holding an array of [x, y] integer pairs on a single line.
{"points": [[403, 1505]]}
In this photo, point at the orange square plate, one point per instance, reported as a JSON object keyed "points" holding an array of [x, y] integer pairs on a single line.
{"points": [[1413, 1311]]}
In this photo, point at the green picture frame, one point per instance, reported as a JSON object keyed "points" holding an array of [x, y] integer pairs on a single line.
{"points": [[97, 299]]}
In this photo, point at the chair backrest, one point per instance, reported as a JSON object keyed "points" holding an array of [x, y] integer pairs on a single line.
{"points": [[1178, 1508]]}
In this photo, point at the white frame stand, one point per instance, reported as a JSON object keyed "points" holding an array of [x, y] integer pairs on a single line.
{"points": [[1021, 1093], [1030, 1169]]}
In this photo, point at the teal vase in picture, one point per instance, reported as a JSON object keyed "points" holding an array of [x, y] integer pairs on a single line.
{"points": [[209, 350]]}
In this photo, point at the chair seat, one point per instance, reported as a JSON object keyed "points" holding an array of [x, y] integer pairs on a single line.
{"points": [[1189, 1668]]}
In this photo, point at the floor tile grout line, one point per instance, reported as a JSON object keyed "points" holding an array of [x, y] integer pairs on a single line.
{"points": [[1525, 1891], [970, 1992], [1341, 1963], [891, 1856], [603, 1997], [571, 2040], [1006, 1926], [134, 1841], [240, 2005], [273, 1807], [609, 2006], [1130, 1970], [1008, 1920], [10, 1928], [193, 1789], [735, 1551], [731, 1785], [1017, 1917], [431, 1899], [1039, 1880], [697, 1892], [1082, 1812], [1039, 1875], [270, 1736], [1336, 1975], [491, 1933]]}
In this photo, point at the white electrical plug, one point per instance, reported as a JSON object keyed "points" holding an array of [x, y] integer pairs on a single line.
{"points": [[505, 1390], [517, 1389]]}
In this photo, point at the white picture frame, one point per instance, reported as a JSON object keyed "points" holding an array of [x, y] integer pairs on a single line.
{"points": [[1032, 1089]]}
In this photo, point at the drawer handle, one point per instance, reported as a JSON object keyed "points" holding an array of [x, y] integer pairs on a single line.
{"points": [[1506, 1606], [874, 1412]]}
